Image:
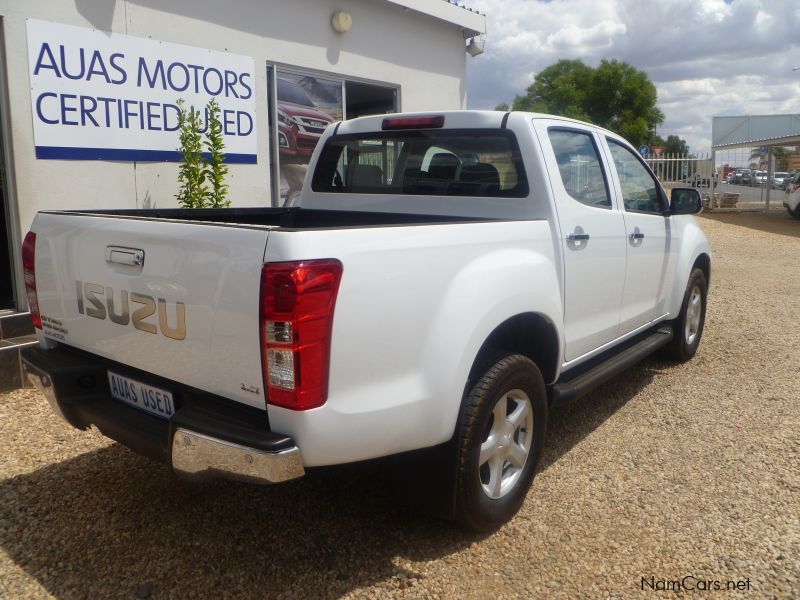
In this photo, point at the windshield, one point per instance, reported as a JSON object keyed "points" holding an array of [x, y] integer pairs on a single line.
{"points": [[442, 162], [288, 91]]}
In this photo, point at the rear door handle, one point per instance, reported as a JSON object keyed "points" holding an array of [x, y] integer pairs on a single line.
{"points": [[637, 236], [577, 237]]}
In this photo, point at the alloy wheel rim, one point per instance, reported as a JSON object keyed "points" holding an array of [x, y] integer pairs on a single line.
{"points": [[506, 443], [693, 313]]}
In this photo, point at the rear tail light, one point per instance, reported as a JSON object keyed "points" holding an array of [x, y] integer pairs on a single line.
{"points": [[413, 122], [29, 275], [297, 302]]}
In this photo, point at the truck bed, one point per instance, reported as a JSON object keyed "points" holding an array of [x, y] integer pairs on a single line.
{"points": [[294, 218]]}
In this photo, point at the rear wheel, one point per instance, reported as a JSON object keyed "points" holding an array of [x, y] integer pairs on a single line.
{"points": [[688, 327], [501, 436]]}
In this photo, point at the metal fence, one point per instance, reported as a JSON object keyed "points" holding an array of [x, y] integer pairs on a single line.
{"points": [[696, 170], [758, 189]]}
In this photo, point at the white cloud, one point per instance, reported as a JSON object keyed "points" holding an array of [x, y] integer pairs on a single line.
{"points": [[574, 37], [706, 57]]}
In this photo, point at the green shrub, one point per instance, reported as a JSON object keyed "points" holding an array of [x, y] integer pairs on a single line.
{"points": [[201, 178], [191, 175], [215, 168]]}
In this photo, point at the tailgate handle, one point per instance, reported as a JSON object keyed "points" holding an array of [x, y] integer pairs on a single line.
{"points": [[125, 256]]}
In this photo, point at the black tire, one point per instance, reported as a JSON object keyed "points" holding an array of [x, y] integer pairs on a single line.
{"points": [[683, 346], [504, 379], [796, 213]]}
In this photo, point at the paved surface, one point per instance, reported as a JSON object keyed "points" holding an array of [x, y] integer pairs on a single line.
{"points": [[751, 194], [666, 472]]}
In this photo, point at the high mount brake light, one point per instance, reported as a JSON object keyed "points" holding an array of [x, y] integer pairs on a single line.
{"points": [[413, 122], [29, 275], [297, 302]]}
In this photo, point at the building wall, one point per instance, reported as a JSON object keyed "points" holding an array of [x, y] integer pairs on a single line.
{"points": [[425, 57], [792, 159]]}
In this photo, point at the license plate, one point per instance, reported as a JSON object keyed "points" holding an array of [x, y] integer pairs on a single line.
{"points": [[145, 397]]}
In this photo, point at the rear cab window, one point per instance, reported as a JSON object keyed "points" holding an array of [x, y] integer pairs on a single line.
{"points": [[441, 162]]}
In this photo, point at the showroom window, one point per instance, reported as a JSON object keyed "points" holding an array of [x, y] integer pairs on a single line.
{"points": [[301, 104]]}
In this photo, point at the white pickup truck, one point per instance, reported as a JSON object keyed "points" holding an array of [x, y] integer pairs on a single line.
{"points": [[446, 280]]}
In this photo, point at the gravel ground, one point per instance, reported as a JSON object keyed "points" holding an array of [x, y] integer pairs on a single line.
{"points": [[667, 471]]}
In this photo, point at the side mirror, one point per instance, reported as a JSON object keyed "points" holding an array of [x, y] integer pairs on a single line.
{"points": [[685, 201]]}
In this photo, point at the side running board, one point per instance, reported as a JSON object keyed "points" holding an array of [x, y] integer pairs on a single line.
{"points": [[572, 389]]}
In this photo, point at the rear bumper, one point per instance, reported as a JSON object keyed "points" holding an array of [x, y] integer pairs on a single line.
{"points": [[207, 435]]}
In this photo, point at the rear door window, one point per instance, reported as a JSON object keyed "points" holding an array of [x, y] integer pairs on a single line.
{"points": [[579, 166], [445, 162]]}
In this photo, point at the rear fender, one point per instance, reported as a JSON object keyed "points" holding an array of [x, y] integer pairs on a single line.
{"points": [[483, 295]]}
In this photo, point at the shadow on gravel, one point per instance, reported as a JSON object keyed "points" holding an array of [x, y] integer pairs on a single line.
{"points": [[110, 523], [774, 221], [569, 424]]}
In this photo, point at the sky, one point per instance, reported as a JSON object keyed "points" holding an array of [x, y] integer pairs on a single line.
{"points": [[706, 57]]}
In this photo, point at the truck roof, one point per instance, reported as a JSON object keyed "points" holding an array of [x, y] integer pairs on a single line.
{"points": [[454, 119]]}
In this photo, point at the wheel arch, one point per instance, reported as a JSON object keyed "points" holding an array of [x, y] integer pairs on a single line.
{"points": [[530, 334], [693, 252], [703, 262]]}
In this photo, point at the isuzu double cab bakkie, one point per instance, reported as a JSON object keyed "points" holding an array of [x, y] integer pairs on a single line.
{"points": [[446, 279]]}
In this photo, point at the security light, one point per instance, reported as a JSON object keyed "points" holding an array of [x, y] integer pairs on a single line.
{"points": [[475, 46], [341, 21]]}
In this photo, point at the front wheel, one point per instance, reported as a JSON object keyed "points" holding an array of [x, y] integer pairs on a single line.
{"points": [[688, 327], [501, 436]]}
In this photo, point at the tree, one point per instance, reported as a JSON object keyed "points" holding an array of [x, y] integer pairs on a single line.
{"points": [[623, 99], [675, 145], [778, 154], [615, 95], [560, 89]]}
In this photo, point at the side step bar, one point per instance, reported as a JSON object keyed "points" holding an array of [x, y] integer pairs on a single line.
{"points": [[572, 389]]}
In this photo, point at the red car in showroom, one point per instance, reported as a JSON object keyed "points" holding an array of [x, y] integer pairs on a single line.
{"points": [[299, 123]]}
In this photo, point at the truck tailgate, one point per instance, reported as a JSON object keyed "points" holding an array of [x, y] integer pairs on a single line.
{"points": [[188, 313]]}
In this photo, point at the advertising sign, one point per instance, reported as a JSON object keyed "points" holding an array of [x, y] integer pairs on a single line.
{"points": [[108, 96], [306, 106]]}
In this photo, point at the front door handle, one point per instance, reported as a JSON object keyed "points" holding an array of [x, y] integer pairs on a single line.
{"points": [[577, 237], [637, 236]]}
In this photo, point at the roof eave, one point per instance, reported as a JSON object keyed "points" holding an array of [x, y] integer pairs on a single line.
{"points": [[473, 23]]}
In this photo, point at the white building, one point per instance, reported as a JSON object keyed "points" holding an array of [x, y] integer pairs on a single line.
{"points": [[89, 88]]}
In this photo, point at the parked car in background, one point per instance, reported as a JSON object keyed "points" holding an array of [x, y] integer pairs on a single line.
{"points": [[300, 124], [745, 177], [741, 176], [792, 201], [760, 178], [699, 180], [779, 180]]}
